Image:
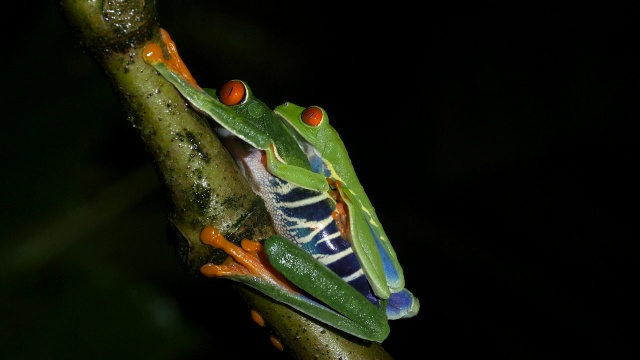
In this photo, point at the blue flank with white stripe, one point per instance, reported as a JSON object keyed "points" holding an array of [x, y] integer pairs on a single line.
{"points": [[304, 216], [301, 215]]}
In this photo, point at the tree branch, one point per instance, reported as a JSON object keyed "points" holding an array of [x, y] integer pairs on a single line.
{"points": [[201, 180]]}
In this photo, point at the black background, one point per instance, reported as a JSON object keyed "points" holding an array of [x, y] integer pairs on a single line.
{"points": [[497, 143]]}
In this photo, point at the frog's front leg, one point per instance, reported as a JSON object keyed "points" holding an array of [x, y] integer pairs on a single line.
{"points": [[153, 54], [300, 176]]}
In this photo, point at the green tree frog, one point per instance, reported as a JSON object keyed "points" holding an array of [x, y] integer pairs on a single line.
{"points": [[340, 304], [382, 266]]}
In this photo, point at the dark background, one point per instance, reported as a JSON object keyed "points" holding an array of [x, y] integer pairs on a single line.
{"points": [[497, 144]]}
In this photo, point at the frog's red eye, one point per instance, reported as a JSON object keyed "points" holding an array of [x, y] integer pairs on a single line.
{"points": [[232, 93], [312, 116]]}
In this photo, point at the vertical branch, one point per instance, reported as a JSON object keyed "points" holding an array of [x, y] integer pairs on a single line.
{"points": [[200, 179]]}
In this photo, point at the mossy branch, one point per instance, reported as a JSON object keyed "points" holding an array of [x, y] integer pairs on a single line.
{"points": [[201, 181]]}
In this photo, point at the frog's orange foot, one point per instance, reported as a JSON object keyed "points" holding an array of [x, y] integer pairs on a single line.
{"points": [[152, 54], [341, 216], [341, 213], [248, 260], [227, 268]]}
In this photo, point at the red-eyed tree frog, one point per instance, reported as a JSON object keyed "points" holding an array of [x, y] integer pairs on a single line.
{"points": [[237, 110], [382, 266]]}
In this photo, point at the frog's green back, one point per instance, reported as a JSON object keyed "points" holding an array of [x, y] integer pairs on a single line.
{"points": [[256, 113]]}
